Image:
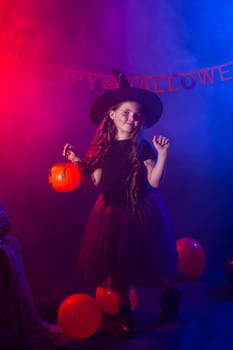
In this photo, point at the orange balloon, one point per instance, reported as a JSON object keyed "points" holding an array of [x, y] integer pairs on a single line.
{"points": [[79, 316], [192, 257], [64, 177], [109, 301]]}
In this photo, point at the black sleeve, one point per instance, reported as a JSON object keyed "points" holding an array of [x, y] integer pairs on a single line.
{"points": [[147, 151]]}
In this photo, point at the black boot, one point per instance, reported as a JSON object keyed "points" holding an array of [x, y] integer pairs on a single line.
{"points": [[169, 305], [126, 320]]}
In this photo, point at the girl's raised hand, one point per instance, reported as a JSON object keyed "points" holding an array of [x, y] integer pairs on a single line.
{"points": [[161, 143]]}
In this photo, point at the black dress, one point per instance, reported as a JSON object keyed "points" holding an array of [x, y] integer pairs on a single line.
{"points": [[130, 247]]}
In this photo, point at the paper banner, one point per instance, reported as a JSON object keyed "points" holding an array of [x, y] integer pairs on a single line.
{"points": [[159, 84]]}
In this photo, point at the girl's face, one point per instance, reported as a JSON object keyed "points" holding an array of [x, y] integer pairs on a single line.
{"points": [[126, 118]]}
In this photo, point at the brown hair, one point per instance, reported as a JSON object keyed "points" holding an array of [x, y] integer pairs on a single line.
{"points": [[105, 134]]}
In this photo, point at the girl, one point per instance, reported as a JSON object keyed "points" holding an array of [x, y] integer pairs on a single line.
{"points": [[128, 238]]}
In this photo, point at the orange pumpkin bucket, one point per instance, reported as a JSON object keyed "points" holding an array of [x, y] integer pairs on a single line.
{"points": [[64, 177]]}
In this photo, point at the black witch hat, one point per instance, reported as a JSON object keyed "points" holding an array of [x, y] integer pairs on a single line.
{"points": [[151, 103]]}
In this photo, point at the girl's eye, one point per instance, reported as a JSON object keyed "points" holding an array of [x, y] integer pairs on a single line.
{"points": [[126, 112]]}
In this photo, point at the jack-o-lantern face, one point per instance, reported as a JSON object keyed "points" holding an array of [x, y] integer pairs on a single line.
{"points": [[64, 177]]}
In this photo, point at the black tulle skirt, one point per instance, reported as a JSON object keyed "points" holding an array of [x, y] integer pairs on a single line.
{"points": [[129, 248]]}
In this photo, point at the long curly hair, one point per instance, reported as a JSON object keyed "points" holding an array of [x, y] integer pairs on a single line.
{"points": [[105, 135]]}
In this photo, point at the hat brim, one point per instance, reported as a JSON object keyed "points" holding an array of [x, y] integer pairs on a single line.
{"points": [[151, 103]]}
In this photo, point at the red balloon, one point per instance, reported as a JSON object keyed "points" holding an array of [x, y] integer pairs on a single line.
{"points": [[109, 300], [64, 177], [192, 257], [79, 316]]}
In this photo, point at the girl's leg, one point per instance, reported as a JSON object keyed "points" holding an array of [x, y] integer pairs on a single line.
{"points": [[123, 296], [170, 299], [125, 312]]}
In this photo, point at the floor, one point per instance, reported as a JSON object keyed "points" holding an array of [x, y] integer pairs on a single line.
{"points": [[204, 322]]}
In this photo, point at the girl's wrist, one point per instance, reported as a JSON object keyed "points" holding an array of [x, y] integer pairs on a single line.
{"points": [[162, 155]]}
